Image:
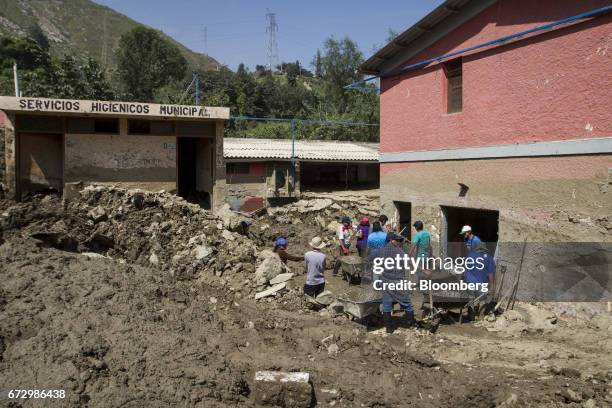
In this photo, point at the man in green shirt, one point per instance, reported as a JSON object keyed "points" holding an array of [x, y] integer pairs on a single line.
{"points": [[421, 243]]}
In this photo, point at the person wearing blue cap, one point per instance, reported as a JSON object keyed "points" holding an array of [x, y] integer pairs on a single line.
{"points": [[280, 247]]}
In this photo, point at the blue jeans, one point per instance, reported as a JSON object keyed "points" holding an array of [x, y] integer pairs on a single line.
{"points": [[388, 298]]}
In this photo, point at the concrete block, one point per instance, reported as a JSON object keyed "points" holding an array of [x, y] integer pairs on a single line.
{"points": [[282, 389], [271, 291], [283, 277]]}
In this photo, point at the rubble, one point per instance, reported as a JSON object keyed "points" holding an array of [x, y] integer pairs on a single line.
{"points": [[155, 306], [271, 291], [282, 389]]}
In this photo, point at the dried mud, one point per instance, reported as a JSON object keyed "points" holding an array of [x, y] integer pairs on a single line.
{"points": [[86, 307]]}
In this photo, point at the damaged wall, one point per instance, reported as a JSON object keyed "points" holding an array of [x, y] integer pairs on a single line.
{"points": [[548, 199], [147, 162]]}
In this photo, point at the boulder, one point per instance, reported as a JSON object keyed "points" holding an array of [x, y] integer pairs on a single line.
{"points": [[230, 219], [270, 267], [282, 389]]}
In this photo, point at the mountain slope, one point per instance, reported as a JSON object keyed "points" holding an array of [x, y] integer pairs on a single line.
{"points": [[79, 26]]}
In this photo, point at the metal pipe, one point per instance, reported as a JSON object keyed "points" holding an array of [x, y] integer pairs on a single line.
{"points": [[16, 79]]}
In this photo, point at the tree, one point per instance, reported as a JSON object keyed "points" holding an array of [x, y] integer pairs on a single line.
{"points": [[146, 62], [318, 65], [37, 34], [339, 67]]}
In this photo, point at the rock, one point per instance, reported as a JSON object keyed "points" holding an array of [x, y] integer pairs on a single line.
{"points": [[318, 204], [153, 259], [333, 226], [571, 395], [271, 291], [98, 214], [511, 401], [230, 219], [270, 267], [282, 389], [283, 277], [333, 349], [590, 403], [212, 300], [325, 298], [201, 252], [227, 235]]}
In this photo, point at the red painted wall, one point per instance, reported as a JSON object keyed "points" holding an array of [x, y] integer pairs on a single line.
{"points": [[554, 86]]}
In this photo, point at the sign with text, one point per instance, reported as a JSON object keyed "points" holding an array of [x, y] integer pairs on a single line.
{"points": [[13, 104]]}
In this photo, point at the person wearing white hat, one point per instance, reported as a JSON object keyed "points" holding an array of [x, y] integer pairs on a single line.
{"points": [[314, 262], [471, 240]]}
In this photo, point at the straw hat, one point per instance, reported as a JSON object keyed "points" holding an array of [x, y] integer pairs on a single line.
{"points": [[317, 243]]}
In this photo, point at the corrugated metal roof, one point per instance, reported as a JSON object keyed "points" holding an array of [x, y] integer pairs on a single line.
{"points": [[247, 148], [412, 35]]}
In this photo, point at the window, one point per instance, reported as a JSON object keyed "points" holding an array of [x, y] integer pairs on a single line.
{"points": [[238, 168], [106, 126], [150, 127], [35, 123], [454, 86], [89, 126]]}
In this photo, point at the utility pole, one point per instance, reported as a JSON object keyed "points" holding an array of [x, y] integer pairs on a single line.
{"points": [[272, 45], [16, 79]]}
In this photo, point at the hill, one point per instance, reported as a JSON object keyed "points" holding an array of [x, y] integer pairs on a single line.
{"points": [[79, 27]]}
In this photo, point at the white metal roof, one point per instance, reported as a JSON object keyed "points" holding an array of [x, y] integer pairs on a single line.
{"points": [[324, 150]]}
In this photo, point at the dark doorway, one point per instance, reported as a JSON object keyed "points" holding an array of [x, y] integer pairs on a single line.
{"points": [[484, 223], [186, 162], [41, 163], [403, 211]]}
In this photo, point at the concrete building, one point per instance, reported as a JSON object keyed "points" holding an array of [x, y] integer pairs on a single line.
{"points": [[50, 142], [260, 171], [515, 137]]}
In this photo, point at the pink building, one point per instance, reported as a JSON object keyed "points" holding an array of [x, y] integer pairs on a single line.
{"points": [[514, 137]]}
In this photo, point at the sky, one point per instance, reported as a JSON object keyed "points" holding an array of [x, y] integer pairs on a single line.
{"points": [[236, 29]]}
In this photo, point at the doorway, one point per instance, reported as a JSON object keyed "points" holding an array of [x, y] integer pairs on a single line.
{"points": [[403, 212], [41, 163], [484, 223], [195, 160]]}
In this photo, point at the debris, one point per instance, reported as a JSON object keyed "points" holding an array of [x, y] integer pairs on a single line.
{"points": [[282, 389], [98, 214], [325, 298], [571, 395], [271, 291], [283, 277]]}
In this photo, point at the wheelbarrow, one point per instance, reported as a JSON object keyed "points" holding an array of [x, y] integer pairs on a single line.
{"points": [[352, 268], [361, 305]]}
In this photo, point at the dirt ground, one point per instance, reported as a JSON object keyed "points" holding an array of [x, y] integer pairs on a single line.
{"points": [[134, 299]]}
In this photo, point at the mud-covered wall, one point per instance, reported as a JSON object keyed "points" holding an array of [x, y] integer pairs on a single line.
{"points": [[547, 199], [147, 162], [9, 179]]}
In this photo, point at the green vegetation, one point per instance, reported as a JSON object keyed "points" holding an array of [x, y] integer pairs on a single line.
{"points": [[81, 28], [146, 62], [148, 66]]}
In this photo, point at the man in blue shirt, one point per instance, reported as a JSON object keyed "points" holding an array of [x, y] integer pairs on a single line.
{"points": [[377, 237], [471, 240]]}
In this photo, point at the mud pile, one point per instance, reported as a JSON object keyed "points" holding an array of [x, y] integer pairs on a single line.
{"points": [[126, 298], [148, 229]]}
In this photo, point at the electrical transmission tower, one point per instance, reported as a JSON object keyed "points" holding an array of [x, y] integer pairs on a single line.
{"points": [[272, 46]]}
